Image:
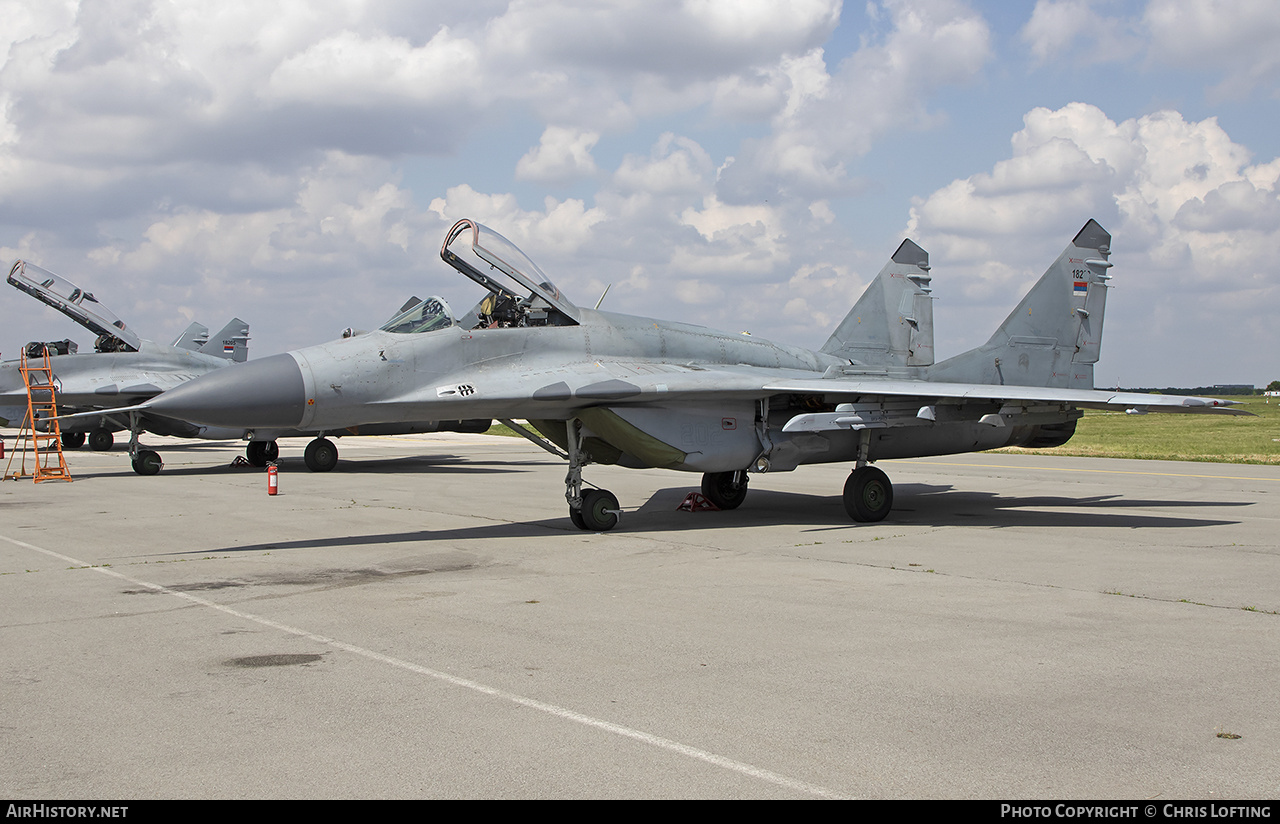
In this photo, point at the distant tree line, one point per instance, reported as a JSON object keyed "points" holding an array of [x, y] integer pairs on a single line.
{"points": [[1229, 389]]}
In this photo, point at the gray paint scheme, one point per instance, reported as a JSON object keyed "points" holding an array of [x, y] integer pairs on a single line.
{"points": [[104, 390], [643, 392]]}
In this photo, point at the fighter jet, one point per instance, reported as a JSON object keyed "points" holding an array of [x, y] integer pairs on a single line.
{"points": [[602, 387], [98, 392], [122, 370]]}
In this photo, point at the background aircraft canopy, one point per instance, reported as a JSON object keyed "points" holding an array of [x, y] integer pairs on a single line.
{"points": [[421, 316], [75, 303]]}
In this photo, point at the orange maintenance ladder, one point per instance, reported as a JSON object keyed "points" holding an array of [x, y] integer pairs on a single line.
{"points": [[42, 404]]}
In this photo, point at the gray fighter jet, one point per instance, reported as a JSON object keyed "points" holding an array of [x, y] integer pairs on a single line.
{"points": [[601, 387], [122, 371], [98, 393]]}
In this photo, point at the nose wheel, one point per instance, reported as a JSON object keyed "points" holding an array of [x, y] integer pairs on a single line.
{"points": [[595, 510], [599, 511], [147, 462]]}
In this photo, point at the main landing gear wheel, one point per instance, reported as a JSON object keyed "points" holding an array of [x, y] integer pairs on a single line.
{"points": [[100, 440], [260, 453], [868, 494], [599, 511], [726, 490], [321, 455], [72, 440], [147, 462]]}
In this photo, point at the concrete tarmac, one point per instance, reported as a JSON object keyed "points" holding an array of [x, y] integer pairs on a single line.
{"points": [[425, 622]]}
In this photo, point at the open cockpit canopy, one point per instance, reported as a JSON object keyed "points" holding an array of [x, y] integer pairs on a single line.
{"points": [[75, 303], [520, 294]]}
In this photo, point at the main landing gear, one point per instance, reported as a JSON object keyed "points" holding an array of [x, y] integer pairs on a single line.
{"points": [[868, 494], [321, 455], [726, 490], [261, 453]]}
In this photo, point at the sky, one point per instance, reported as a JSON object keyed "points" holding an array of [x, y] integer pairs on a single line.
{"points": [[743, 164]]}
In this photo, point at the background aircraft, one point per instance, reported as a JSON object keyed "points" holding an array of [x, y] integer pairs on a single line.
{"points": [[122, 370], [639, 392], [100, 389]]}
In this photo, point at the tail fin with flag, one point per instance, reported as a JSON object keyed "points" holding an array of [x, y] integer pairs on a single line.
{"points": [[231, 342], [1054, 336]]}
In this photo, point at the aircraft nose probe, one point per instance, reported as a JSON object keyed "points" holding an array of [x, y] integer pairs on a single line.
{"points": [[261, 393]]}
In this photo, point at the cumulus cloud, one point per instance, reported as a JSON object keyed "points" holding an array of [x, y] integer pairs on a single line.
{"points": [[560, 156], [886, 84], [300, 162], [1239, 38], [1236, 40], [1075, 31], [1189, 213]]}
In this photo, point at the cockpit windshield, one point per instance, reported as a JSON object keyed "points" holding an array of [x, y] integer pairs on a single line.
{"points": [[522, 294], [424, 316], [75, 303]]}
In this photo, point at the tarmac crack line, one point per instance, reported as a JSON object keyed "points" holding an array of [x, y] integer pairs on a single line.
{"points": [[667, 744]]}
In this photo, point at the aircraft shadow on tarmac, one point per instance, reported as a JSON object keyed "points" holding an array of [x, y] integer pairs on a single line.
{"points": [[413, 464], [915, 505]]}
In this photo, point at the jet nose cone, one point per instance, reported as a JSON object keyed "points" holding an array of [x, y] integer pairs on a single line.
{"points": [[266, 392]]}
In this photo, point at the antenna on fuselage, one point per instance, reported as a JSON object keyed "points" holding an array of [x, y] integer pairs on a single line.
{"points": [[602, 294]]}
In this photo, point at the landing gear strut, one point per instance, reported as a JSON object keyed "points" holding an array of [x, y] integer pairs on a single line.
{"points": [[868, 494], [596, 510], [145, 461]]}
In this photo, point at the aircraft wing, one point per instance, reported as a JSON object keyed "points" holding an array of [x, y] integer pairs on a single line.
{"points": [[931, 390], [603, 382]]}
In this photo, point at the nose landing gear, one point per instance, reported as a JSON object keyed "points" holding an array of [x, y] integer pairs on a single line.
{"points": [[595, 510]]}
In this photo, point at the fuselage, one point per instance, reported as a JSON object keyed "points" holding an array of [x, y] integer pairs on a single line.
{"points": [[106, 380], [650, 392], [495, 372]]}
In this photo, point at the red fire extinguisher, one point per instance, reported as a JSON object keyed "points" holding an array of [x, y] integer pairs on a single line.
{"points": [[273, 481]]}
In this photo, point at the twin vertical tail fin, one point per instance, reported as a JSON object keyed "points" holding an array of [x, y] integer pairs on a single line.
{"points": [[891, 325], [1054, 336], [231, 342], [194, 338]]}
